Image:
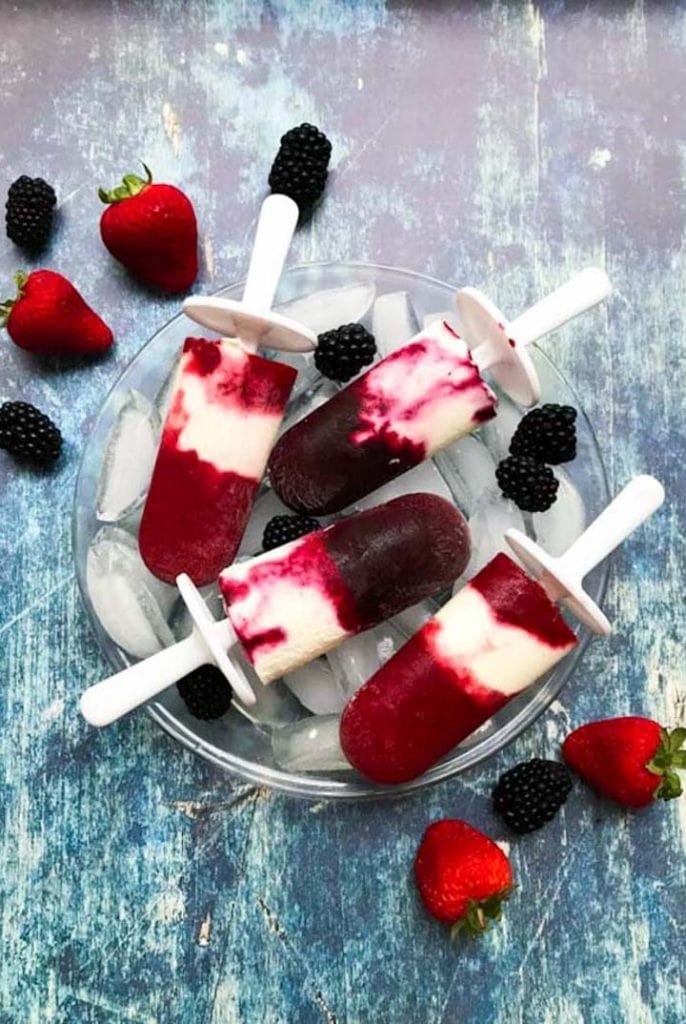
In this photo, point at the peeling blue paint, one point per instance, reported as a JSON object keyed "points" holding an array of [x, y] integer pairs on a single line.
{"points": [[495, 144]]}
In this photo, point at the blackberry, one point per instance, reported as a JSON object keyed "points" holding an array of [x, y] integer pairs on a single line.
{"points": [[300, 169], [531, 485], [547, 434], [205, 692], [28, 434], [283, 529], [29, 211], [530, 794], [307, 138], [342, 353]]}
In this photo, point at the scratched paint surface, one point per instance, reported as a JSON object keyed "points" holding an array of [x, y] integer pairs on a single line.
{"points": [[484, 143]]}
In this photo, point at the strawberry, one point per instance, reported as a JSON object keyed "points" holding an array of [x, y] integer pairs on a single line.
{"points": [[632, 760], [462, 875], [151, 229], [49, 317]]}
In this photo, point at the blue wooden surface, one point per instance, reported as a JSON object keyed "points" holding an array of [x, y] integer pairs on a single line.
{"points": [[483, 143]]}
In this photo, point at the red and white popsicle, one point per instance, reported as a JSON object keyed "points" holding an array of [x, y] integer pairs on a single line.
{"points": [[225, 411], [419, 399], [288, 606], [494, 638]]}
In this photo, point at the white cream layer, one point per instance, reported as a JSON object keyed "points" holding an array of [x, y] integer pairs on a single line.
{"points": [[414, 393], [304, 613], [501, 657], [216, 427]]}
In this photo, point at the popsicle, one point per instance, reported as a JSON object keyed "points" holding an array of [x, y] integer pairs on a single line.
{"points": [[419, 399], [494, 638], [226, 407], [288, 606]]}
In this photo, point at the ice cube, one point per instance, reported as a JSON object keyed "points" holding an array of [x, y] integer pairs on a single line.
{"points": [[448, 316], [470, 469], [129, 602], [129, 459], [265, 508], [274, 704], [491, 517], [357, 659], [412, 619], [128, 557], [325, 310], [164, 394], [311, 745], [317, 687], [393, 322], [565, 520], [422, 478], [497, 433], [182, 621]]}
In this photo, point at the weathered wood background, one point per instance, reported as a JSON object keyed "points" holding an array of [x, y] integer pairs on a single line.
{"points": [[486, 143]]}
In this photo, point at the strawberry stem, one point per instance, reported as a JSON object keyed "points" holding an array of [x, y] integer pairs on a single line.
{"points": [[479, 913], [20, 279], [131, 185], [666, 761]]}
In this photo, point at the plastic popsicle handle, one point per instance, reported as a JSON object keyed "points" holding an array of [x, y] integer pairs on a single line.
{"points": [[562, 578], [215, 641], [583, 291], [275, 228], [114, 697], [633, 505], [252, 320], [501, 347]]}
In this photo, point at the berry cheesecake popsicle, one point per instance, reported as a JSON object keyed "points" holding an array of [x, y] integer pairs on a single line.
{"points": [[419, 399], [226, 408], [288, 606], [494, 638], [404, 409]]}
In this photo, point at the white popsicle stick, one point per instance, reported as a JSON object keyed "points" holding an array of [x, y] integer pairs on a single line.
{"points": [[500, 346], [562, 577], [114, 697], [210, 643], [275, 229], [214, 640], [251, 319]]}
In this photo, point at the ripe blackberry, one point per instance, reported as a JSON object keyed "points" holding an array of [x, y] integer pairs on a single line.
{"points": [[342, 353], [205, 692], [530, 794], [307, 138], [283, 529], [28, 434], [531, 485], [29, 211], [300, 168], [547, 434]]}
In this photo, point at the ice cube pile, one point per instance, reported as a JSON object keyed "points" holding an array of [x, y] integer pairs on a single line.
{"points": [[300, 714]]}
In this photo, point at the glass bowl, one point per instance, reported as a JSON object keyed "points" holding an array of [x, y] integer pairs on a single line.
{"points": [[236, 743]]}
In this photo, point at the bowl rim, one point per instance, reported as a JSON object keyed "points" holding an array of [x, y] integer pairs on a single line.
{"points": [[316, 785]]}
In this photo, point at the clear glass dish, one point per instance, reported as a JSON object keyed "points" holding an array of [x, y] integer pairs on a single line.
{"points": [[234, 742]]}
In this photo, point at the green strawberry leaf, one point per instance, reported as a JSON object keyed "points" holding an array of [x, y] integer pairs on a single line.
{"points": [[668, 756], [20, 279], [670, 787], [479, 912], [676, 738], [132, 185]]}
